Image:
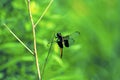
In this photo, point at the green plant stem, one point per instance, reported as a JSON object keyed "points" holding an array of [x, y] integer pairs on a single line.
{"points": [[46, 60], [34, 38]]}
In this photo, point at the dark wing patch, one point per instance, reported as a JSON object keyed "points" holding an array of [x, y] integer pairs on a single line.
{"points": [[66, 43], [66, 40]]}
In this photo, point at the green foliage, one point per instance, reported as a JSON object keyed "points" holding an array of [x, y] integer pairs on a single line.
{"points": [[94, 55]]}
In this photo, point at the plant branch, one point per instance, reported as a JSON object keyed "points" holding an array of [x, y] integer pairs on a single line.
{"points": [[34, 37], [18, 39], [46, 9]]}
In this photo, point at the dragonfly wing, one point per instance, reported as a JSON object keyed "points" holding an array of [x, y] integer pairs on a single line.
{"points": [[66, 40], [66, 37], [74, 34], [66, 43], [71, 41], [73, 37]]}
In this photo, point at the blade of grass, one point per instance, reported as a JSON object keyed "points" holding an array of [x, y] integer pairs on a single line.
{"points": [[18, 39], [46, 9]]}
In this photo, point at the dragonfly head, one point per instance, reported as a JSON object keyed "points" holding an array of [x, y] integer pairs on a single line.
{"points": [[58, 35]]}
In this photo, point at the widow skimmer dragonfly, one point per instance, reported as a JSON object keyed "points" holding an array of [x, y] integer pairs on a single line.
{"points": [[65, 40]]}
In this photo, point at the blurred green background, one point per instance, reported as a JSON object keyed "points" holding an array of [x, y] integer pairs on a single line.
{"points": [[94, 56]]}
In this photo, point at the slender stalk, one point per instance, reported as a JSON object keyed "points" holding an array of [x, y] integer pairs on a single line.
{"points": [[52, 38], [34, 37], [46, 9], [18, 39]]}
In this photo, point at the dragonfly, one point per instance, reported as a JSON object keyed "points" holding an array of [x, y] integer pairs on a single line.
{"points": [[61, 41], [66, 40]]}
